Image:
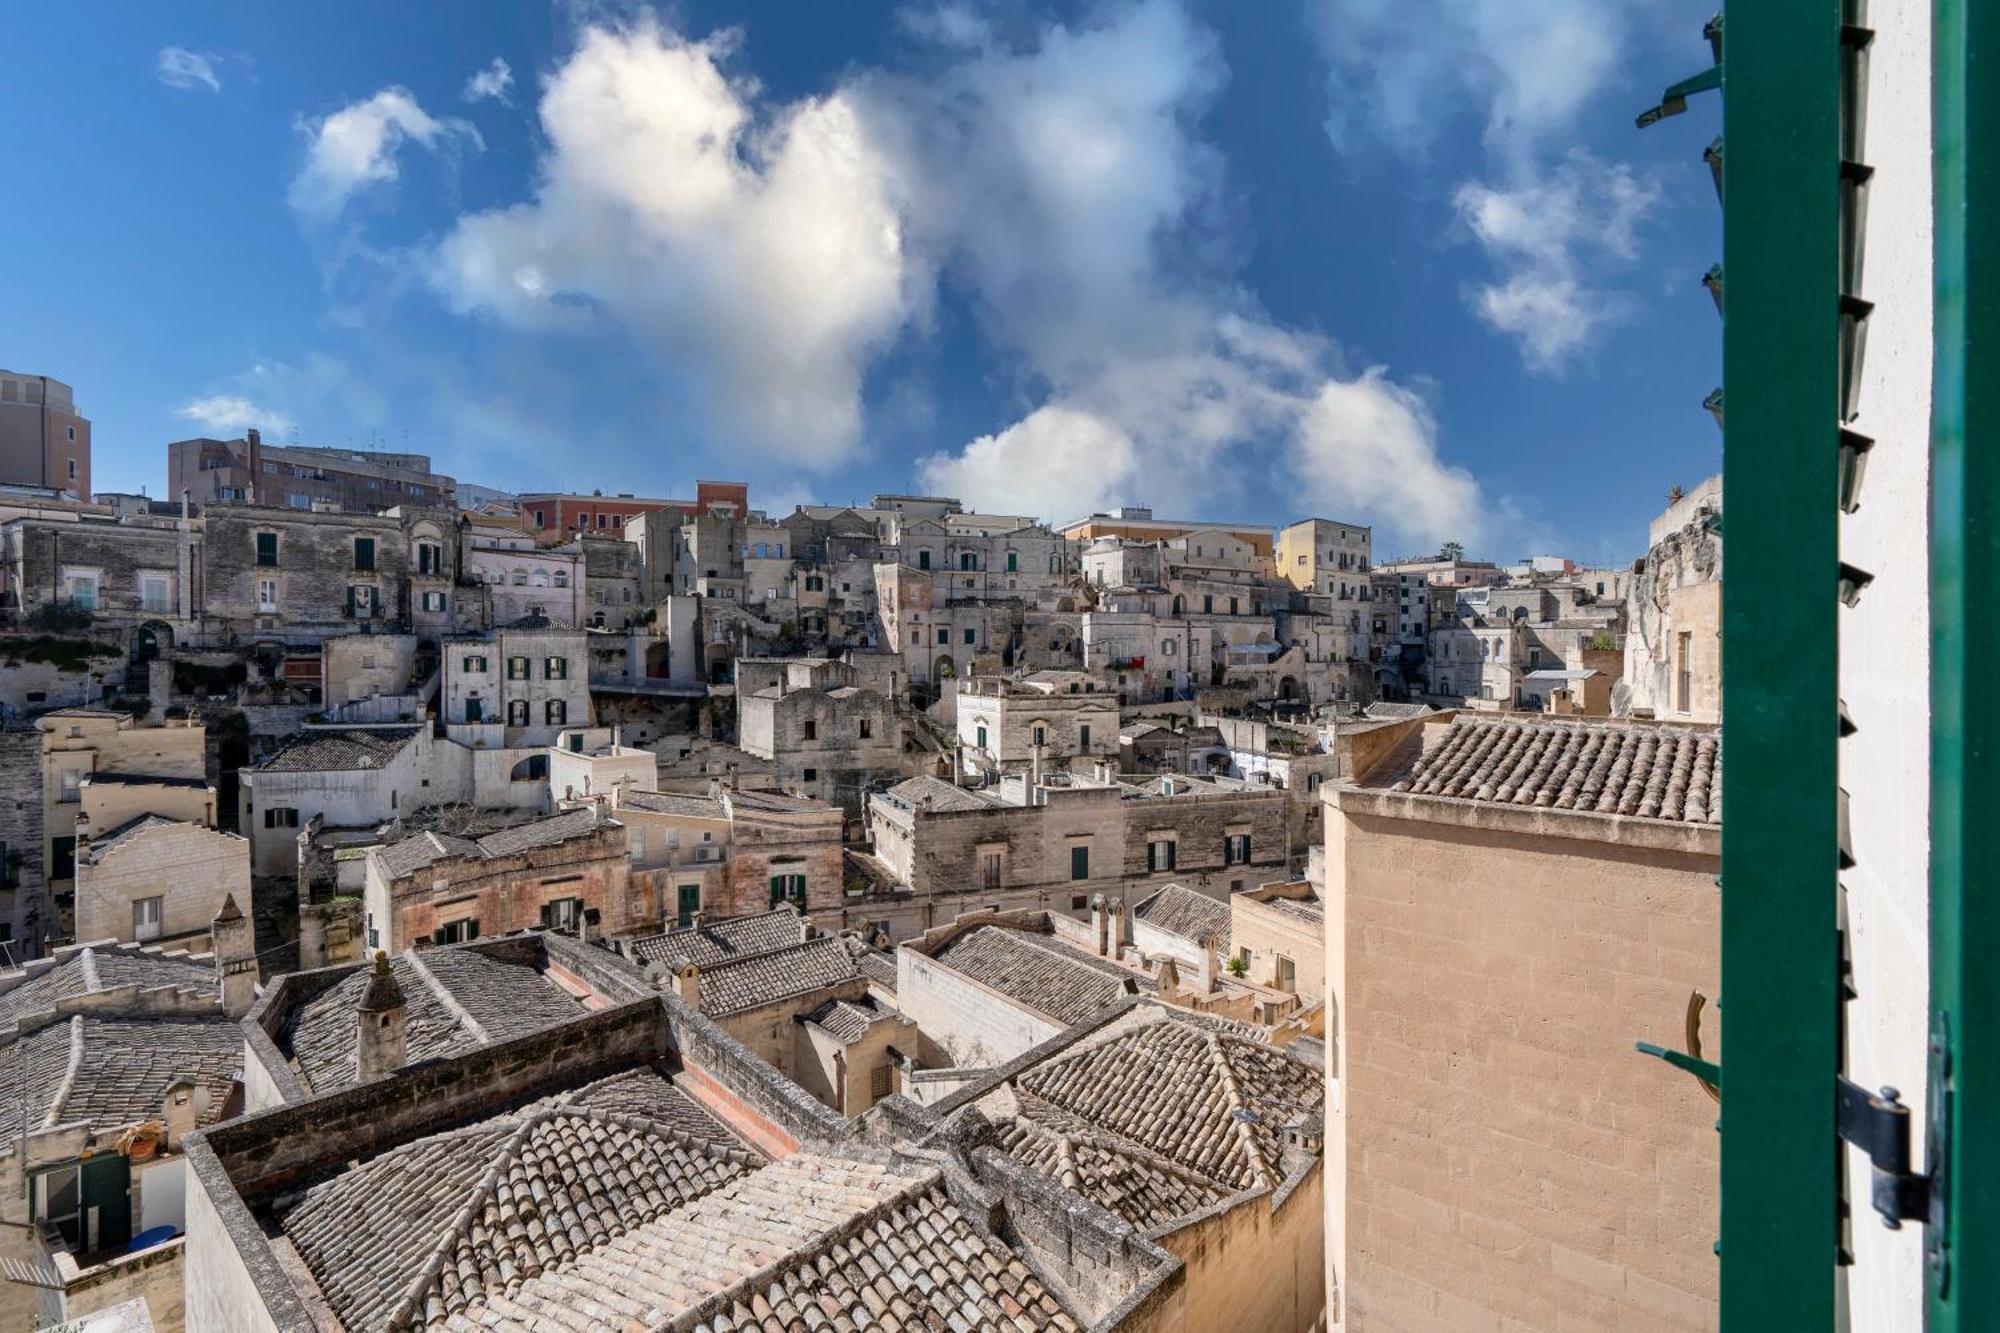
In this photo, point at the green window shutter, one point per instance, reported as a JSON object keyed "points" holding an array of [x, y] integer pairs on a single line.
{"points": [[1079, 863], [777, 889]]}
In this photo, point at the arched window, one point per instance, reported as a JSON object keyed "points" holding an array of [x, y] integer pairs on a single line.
{"points": [[562, 578], [541, 578], [520, 578]]}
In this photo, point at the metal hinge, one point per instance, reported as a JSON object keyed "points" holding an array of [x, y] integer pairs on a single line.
{"points": [[1879, 1125]]}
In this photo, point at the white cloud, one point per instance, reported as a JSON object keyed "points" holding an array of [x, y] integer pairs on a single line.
{"points": [[181, 68], [1065, 184], [357, 146], [756, 247], [229, 415], [1057, 462], [494, 81], [1368, 445], [1539, 235], [1401, 71]]}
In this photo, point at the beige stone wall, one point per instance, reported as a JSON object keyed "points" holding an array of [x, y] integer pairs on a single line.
{"points": [[1508, 1160], [107, 805], [191, 868], [1253, 1267], [1269, 933]]}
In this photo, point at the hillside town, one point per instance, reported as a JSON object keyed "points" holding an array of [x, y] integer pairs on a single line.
{"points": [[935, 878], [1241, 845]]}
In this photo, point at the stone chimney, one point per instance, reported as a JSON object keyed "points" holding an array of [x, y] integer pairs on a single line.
{"points": [[1208, 982], [687, 983], [235, 951], [1120, 931], [381, 1043], [1100, 921], [807, 931], [181, 1108], [1169, 979]]}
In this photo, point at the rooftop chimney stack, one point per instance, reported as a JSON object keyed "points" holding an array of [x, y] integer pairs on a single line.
{"points": [[235, 949], [382, 1042], [1208, 981], [1100, 922], [688, 985]]}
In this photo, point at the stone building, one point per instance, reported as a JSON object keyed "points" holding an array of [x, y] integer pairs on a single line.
{"points": [[825, 735], [757, 1204], [152, 879], [105, 767], [248, 471], [782, 849], [122, 1052], [567, 872], [298, 577], [1510, 904], [347, 777], [514, 577], [1673, 651], [1277, 932], [1052, 846], [801, 1000], [1144, 1112], [517, 686], [1008, 725], [613, 583], [990, 987], [302, 1037]]}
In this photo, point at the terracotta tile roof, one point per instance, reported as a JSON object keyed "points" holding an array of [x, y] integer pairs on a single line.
{"points": [[502, 999], [337, 751], [757, 980], [1181, 911], [588, 1211], [715, 942], [96, 967], [1197, 1094], [1142, 1187], [1043, 973], [1611, 768]]}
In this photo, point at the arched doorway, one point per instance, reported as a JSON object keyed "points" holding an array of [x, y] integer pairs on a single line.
{"points": [[151, 641], [1288, 687], [943, 668]]}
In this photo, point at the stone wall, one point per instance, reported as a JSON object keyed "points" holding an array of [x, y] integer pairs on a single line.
{"points": [[1504, 972], [962, 1021], [505, 893], [1255, 1263], [191, 869], [21, 831]]}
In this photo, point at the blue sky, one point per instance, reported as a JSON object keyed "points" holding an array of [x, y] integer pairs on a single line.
{"points": [[1405, 263]]}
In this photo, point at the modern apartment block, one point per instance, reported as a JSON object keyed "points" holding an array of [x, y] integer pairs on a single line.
{"points": [[44, 442], [248, 471]]}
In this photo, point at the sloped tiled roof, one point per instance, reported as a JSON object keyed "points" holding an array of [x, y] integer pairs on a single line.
{"points": [[714, 942], [879, 968], [844, 1020], [588, 1210], [80, 970], [760, 979], [337, 751], [673, 803], [1140, 1186], [502, 999], [928, 793], [1611, 768], [114, 1071], [1181, 911], [1198, 1095], [1040, 971], [419, 850], [115, 838]]}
